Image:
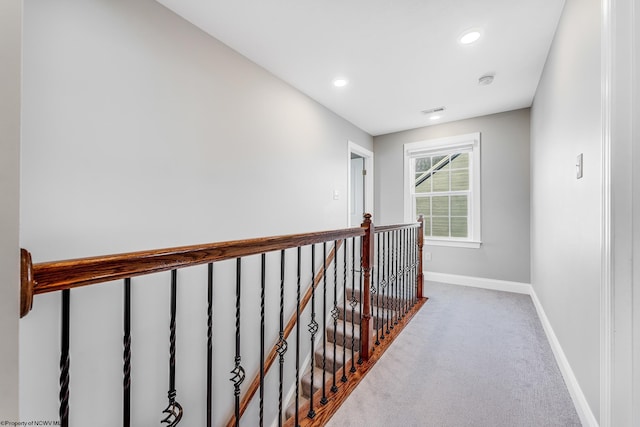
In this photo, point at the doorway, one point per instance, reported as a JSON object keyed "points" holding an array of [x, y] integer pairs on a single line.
{"points": [[360, 184]]}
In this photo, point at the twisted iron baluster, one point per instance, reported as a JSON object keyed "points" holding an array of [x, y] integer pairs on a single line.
{"points": [[313, 326], [353, 304], [403, 300], [64, 360], [126, 369], [324, 400], [282, 344], [334, 313], [361, 303], [173, 410], [389, 280], [344, 324], [415, 265], [396, 302], [377, 305], [299, 271], [384, 268], [238, 370], [262, 289], [209, 343], [407, 270]]}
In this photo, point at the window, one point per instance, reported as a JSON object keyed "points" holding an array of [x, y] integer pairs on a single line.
{"points": [[442, 183]]}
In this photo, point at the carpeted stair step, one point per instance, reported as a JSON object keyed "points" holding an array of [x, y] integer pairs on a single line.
{"points": [[291, 409], [305, 381], [354, 315], [384, 301], [343, 333], [330, 356]]}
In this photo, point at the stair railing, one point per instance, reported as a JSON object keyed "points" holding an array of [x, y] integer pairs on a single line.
{"points": [[396, 283]]}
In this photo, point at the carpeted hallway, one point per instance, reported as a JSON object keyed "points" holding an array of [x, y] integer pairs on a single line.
{"points": [[470, 357]]}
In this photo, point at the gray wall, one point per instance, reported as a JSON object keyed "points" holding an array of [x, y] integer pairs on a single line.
{"points": [[10, 58], [140, 131], [504, 254], [565, 211]]}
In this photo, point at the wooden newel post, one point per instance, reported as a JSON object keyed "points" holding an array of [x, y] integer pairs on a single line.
{"points": [[420, 280], [366, 340]]}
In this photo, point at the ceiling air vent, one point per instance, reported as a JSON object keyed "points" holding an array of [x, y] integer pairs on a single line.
{"points": [[433, 110]]}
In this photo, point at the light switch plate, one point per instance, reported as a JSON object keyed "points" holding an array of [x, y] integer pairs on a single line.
{"points": [[579, 166]]}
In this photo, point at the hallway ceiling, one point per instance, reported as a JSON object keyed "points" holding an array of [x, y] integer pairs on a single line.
{"points": [[401, 57]]}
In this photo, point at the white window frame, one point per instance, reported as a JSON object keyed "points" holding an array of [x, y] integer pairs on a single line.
{"points": [[413, 150]]}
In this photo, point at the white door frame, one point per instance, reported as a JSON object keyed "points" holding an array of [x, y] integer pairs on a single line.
{"points": [[368, 182], [619, 303]]}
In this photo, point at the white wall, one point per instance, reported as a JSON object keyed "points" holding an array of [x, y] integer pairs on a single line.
{"points": [[635, 144], [10, 59], [565, 211], [504, 254], [140, 131]]}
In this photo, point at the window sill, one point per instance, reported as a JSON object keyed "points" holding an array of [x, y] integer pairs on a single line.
{"points": [[453, 243]]}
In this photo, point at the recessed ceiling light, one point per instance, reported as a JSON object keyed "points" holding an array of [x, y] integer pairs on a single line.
{"points": [[340, 82], [469, 37]]}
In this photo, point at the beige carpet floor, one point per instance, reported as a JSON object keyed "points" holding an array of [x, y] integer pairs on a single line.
{"points": [[470, 357]]}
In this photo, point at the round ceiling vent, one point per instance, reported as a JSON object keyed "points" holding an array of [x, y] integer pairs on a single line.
{"points": [[486, 80]]}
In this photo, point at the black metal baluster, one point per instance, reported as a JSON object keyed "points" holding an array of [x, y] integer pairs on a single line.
{"points": [[344, 323], [313, 327], [353, 304], [408, 269], [173, 410], [374, 288], [64, 359], [282, 344], [416, 265], [209, 343], [387, 298], [412, 246], [324, 400], [361, 303], [396, 300], [400, 276], [238, 370], [262, 291], [126, 356], [402, 272], [334, 314], [392, 279], [297, 415], [377, 306]]}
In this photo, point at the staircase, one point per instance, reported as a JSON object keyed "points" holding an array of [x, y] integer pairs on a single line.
{"points": [[342, 335]]}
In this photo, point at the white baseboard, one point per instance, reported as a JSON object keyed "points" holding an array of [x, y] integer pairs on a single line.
{"points": [[479, 282], [579, 400]]}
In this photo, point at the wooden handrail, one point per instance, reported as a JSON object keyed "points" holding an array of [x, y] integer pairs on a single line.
{"points": [[271, 357], [68, 274], [58, 275], [384, 228]]}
